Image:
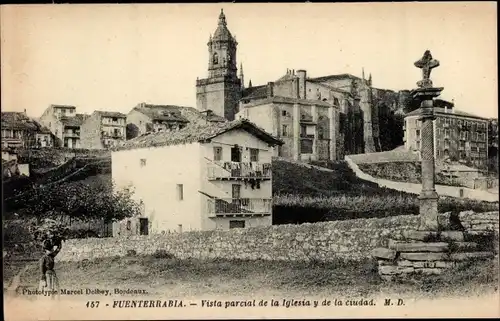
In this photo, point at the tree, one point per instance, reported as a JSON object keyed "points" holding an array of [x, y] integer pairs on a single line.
{"points": [[75, 200]]}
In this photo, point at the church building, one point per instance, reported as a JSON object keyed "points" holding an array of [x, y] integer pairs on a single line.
{"points": [[319, 118]]}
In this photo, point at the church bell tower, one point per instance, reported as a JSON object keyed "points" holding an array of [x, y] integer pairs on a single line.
{"points": [[221, 91]]}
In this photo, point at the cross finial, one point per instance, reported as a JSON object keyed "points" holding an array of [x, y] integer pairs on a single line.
{"points": [[426, 63], [222, 17]]}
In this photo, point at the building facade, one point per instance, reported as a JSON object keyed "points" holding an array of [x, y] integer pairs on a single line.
{"points": [[20, 131], [102, 130], [209, 175], [458, 136], [150, 118], [352, 123], [64, 123]]}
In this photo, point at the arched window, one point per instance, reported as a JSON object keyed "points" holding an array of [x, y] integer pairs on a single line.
{"points": [[129, 225], [215, 59]]}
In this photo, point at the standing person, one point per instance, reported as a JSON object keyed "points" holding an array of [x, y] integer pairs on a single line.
{"points": [[51, 247]]}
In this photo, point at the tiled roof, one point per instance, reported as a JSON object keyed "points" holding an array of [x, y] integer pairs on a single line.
{"points": [[196, 132], [439, 110], [63, 106], [18, 120], [111, 114], [255, 92], [163, 112], [74, 121]]}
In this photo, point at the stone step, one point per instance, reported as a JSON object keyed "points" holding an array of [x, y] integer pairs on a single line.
{"points": [[421, 247], [424, 256]]}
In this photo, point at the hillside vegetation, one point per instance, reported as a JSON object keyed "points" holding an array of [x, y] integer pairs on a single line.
{"points": [[304, 194]]}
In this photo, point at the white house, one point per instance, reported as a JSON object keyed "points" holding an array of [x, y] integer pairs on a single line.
{"points": [[205, 176]]}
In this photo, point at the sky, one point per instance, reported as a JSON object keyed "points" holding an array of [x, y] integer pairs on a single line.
{"points": [[112, 57]]}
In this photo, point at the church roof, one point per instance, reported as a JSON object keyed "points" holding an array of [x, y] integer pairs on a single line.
{"points": [[197, 132], [222, 33], [255, 92], [335, 77]]}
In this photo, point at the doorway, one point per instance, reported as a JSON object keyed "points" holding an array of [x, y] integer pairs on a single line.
{"points": [[143, 226], [235, 154]]}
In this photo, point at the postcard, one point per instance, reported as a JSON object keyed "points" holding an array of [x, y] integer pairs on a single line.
{"points": [[230, 160]]}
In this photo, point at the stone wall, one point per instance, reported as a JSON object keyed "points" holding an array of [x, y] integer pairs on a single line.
{"points": [[353, 239], [350, 239]]}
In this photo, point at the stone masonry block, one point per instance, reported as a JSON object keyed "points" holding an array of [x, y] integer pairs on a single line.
{"points": [[444, 264], [471, 255], [425, 256], [422, 247], [384, 253], [406, 263], [452, 236]]}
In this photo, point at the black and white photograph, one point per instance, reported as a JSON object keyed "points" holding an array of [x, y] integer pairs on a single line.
{"points": [[249, 160]]}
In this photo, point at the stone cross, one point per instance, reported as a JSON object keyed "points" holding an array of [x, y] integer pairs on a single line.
{"points": [[426, 94], [426, 63]]}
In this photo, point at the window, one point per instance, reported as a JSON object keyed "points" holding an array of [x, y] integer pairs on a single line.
{"points": [[417, 132], [215, 59], [284, 131], [254, 155], [180, 192], [217, 153], [460, 122], [283, 113], [446, 133], [129, 225], [438, 132], [236, 224], [143, 162], [115, 119]]}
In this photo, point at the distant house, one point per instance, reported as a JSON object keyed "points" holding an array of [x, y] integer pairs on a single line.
{"points": [[102, 129], [64, 123], [19, 130], [458, 136], [208, 175], [149, 118]]}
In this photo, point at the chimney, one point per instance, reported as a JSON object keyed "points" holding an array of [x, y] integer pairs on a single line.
{"points": [[25, 112], [270, 89], [302, 83]]}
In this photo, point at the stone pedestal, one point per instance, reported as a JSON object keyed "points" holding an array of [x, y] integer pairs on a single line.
{"points": [[427, 252]]}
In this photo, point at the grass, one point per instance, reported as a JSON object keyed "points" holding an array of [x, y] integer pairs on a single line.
{"points": [[192, 277], [341, 195]]}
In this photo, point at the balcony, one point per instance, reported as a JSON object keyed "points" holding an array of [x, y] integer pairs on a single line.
{"points": [[238, 171], [12, 142], [221, 207]]}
